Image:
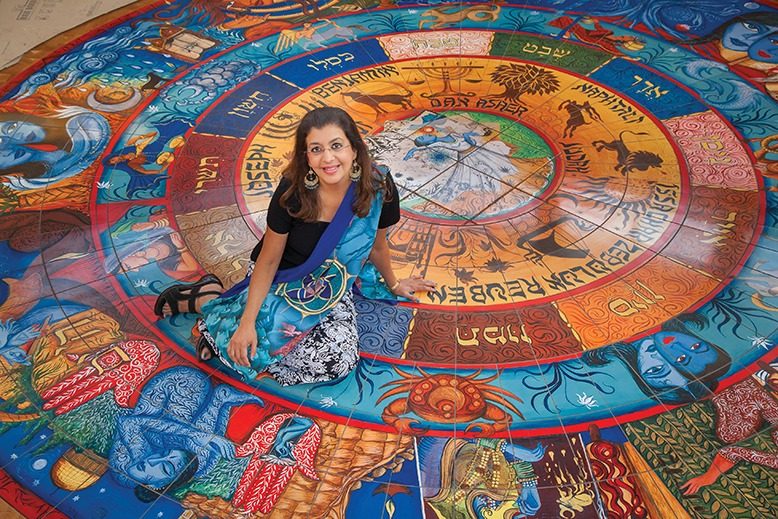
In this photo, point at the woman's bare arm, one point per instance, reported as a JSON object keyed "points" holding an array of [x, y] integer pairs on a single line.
{"points": [[243, 344]]}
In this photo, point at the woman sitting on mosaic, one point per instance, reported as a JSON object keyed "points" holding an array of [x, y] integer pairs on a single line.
{"points": [[294, 317]]}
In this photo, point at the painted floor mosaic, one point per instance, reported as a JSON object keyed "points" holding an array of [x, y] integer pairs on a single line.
{"points": [[592, 184]]}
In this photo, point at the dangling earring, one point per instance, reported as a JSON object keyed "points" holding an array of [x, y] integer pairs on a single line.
{"points": [[356, 172], [311, 180]]}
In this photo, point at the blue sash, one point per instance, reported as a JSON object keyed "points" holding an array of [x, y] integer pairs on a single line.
{"points": [[323, 250], [300, 297]]}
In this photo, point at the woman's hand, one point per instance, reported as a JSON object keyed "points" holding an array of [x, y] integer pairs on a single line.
{"points": [[243, 345], [409, 286]]}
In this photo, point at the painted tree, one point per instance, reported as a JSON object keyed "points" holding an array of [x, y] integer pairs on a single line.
{"points": [[520, 79]]}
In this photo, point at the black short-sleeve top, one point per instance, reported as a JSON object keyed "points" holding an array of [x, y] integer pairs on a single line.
{"points": [[303, 236]]}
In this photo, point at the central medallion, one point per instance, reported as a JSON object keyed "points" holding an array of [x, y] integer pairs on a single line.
{"points": [[464, 166]]}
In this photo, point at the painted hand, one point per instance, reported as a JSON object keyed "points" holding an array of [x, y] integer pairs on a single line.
{"points": [[223, 446], [719, 466], [694, 485]]}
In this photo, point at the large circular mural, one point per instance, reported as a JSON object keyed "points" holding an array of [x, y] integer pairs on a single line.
{"points": [[592, 186]]}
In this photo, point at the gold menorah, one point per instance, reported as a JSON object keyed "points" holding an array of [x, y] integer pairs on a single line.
{"points": [[446, 73]]}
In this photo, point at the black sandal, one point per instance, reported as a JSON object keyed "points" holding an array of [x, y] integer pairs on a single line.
{"points": [[204, 350], [189, 292]]}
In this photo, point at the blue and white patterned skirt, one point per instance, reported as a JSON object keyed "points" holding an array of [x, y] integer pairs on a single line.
{"points": [[328, 351]]}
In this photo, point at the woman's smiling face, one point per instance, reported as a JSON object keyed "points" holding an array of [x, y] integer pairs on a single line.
{"points": [[330, 154]]}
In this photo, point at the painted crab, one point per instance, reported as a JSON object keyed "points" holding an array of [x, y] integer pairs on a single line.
{"points": [[446, 398]]}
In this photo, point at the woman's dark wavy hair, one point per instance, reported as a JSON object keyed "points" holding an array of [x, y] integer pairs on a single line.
{"points": [[295, 172], [148, 494], [695, 389]]}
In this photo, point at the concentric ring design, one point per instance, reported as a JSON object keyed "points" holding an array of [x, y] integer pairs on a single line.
{"points": [[594, 195]]}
